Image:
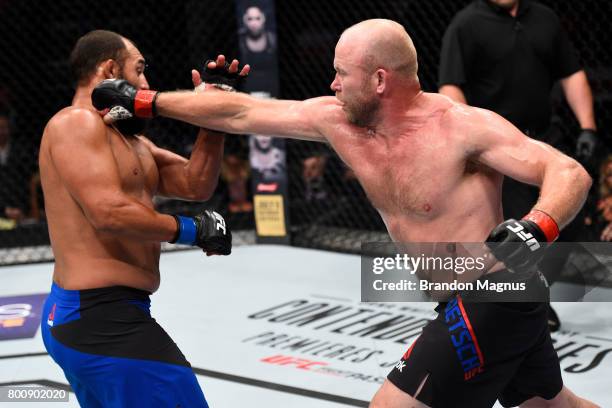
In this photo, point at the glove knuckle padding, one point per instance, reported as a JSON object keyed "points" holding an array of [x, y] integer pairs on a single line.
{"points": [[518, 244], [113, 92], [118, 95], [213, 234]]}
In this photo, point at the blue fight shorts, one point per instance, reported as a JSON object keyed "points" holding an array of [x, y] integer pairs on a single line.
{"points": [[113, 353]]}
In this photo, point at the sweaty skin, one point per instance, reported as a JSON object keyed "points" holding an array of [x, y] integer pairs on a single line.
{"points": [[432, 167], [417, 165], [417, 156], [99, 187]]}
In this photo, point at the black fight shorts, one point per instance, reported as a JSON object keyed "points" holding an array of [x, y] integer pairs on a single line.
{"points": [[475, 353]]}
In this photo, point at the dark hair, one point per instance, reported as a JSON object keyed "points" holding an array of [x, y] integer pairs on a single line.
{"points": [[93, 48]]}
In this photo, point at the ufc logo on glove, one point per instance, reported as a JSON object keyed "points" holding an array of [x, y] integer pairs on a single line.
{"points": [[528, 238], [220, 222]]}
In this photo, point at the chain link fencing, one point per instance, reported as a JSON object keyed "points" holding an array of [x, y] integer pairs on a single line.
{"points": [[328, 208]]}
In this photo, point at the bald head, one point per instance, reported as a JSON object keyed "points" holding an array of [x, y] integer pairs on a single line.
{"points": [[380, 43]]}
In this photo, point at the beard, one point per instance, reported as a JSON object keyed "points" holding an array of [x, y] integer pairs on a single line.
{"points": [[362, 112]]}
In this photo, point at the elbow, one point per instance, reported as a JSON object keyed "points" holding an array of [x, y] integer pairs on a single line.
{"points": [[588, 180], [224, 117], [239, 122], [585, 178], [582, 180]]}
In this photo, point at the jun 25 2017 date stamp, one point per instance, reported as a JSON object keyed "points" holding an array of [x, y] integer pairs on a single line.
{"points": [[32, 393]]}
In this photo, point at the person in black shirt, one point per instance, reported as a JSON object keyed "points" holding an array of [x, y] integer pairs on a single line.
{"points": [[505, 56]]}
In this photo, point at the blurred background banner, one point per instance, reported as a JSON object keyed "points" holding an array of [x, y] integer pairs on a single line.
{"points": [[257, 46], [325, 205]]}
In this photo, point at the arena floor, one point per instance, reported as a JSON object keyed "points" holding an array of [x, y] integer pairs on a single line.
{"points": [[231, 318]]}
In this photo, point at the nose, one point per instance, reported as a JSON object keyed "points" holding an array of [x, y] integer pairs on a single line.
{"points": [[143, 83], [335, 85]]}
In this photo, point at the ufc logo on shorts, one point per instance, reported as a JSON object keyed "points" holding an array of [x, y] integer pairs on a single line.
{"points": [[529, 239], [220, 222]]}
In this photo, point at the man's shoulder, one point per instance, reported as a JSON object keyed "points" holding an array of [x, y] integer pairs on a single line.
{"points": [[73, 115], [326, 114], [324, 110], [330, 103], [465, 119], [71, 120]]}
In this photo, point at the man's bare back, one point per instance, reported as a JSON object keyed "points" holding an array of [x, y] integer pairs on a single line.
{"points": [[86, 257]]}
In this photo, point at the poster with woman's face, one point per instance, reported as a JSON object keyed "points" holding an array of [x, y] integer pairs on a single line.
{"points": [[257, 44]]}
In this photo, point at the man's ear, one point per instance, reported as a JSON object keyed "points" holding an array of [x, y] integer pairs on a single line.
{"points": [[381, 80], [109, 69]]}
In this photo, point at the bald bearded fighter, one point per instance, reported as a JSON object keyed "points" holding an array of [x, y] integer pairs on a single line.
{"points": [[417, 155], [99, 182]]}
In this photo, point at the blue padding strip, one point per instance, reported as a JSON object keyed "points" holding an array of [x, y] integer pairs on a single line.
{"points": [[187, 230]]}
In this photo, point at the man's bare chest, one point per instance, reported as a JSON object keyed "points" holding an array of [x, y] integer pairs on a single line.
{"points": [[135, 165], [408, 177]]}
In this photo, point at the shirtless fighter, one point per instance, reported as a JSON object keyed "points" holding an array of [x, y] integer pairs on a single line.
{"points": [[98, 183], [433, 169]]}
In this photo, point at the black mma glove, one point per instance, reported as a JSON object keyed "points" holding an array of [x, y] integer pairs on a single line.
{"points": [[221, 78], [123, 99], [586, 145], [520, 244], [206, 230]]}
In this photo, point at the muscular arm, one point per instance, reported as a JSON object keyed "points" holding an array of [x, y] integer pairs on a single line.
{"points": [[193, 179], [580, 98], [81, 154], [241, 113], [563, 182]]}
